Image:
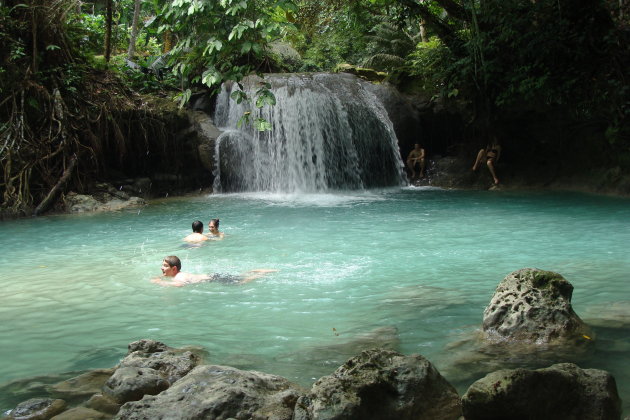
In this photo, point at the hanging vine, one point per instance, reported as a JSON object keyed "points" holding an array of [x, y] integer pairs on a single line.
{"points": [[58, 114]]}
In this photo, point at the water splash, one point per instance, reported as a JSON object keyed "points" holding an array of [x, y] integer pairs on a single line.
{"points": [[328, 133]]}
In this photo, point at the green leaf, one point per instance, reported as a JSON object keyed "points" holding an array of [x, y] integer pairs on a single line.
{"points": [[262, 124], [246, 47], [239, 96], [184, 97], [243, 120], [33, 102], [212, 45], [211, 77], [265, 98]]}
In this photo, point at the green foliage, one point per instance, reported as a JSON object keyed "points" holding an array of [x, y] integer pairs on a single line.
{"points": [[221, 40], [430, 63], [547, 54], [88, 31], [333, 32], [224, 40], [390, 42]]}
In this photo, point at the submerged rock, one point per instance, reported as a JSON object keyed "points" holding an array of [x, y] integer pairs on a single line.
{"points": [[82, 413], [83, 386], [213, 392], [343, 346], [381, 384], [37, 409], [533, 305], [560, 392]]}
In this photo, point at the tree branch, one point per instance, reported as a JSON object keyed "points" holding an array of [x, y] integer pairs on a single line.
{"points": [[46, 202]]}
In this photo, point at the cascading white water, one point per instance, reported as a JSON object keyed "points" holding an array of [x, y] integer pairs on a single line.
{"points": [[328, 133]]}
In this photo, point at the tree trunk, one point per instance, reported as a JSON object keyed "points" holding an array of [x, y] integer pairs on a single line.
{"points": [[134, 30], [108, 30], [47, 202], [423, 31]]}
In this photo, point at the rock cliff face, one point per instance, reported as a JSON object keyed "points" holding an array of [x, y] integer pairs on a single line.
{"points": [[533, 305]]}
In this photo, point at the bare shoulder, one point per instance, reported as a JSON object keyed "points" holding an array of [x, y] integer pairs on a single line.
{"points": [[188, 278], [195, 237]]}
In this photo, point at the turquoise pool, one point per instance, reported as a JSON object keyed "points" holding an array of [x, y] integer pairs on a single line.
{"points": [[412, 268]]}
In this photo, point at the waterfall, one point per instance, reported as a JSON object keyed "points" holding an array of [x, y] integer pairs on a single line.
{"points": [[328, 133]]}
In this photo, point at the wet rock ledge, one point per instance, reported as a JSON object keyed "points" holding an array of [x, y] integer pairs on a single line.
{"points": [[530, 307]]}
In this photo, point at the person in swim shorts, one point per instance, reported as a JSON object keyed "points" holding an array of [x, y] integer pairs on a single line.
{"points": [[172, 266], [416, 157]]}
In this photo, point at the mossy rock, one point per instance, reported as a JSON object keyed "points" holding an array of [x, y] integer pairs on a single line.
{"points": [[370, 75], [549, 280]]}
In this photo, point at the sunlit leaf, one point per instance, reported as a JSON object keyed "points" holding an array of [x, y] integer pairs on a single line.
{"points": [[262, 124]]}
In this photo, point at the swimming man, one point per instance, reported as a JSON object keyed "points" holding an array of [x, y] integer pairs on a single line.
{"points": [[172, 266]]}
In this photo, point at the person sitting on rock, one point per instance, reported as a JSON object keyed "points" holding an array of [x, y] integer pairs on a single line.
{"points": [[213, 227], [172, 266], [416, 157], [197, 235], [490, 155]]}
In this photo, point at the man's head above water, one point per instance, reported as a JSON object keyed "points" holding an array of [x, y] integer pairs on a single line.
{"points": [[171, 265]]}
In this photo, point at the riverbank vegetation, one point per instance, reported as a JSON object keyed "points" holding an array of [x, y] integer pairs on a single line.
{"points": [[547, 77]]}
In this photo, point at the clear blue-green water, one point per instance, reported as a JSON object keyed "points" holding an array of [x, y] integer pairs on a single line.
{"points": [[409, 268]]}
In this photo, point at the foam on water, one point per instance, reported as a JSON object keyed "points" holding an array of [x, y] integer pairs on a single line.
{"points": [[329, 199]]}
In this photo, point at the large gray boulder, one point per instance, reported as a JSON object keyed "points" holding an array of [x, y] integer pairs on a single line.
{"points": [[149, 368], [534, 306], [560, 392], [381, 384], [171, 363], [131, 384], [218, 392]]}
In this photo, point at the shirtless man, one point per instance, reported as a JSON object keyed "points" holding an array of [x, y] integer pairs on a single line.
{"points": [[172, 266], [416, 157], [213, 227], [197, 235]]}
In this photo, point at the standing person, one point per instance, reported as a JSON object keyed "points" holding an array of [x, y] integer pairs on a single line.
{"points": [[197, 235], [490, 155], [416, 157], [172, 268], [213, 227]]}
